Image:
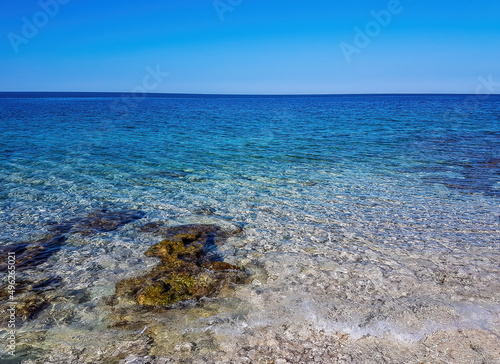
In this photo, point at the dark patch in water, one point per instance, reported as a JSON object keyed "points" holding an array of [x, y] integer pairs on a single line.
{"points": [[476, 176], [97, 222], [163, 229], [204, 210], [47, 284], [30, 308], [23, 354], [172, 174], [30, 292], [30, 255]]}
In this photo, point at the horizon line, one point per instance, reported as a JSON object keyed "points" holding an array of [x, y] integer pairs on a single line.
{"points": [[145, 94]]}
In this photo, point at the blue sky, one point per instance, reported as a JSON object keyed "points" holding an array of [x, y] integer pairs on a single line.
{"points": [[259, 47]]}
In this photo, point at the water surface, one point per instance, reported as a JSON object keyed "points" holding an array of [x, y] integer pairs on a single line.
{"points": [[366, 216]]}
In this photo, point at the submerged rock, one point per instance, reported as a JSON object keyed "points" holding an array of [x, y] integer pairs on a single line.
{"points": [[29, 284], [190, 269], [31, 306], [205, 210], [97, 222], [32, 290], [25, 308], [30, 255], [162, 228]]}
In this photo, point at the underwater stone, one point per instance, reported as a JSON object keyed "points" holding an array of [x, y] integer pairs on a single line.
{"points": [[30, 255], [97, 222], [31, 306], [190, 269], [161, 228], [205, 210]]}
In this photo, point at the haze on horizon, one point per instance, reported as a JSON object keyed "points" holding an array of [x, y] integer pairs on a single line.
{"points": [[251, 47]]}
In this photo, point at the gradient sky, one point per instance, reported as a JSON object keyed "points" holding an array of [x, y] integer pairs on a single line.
{"points": [[261, 46]]}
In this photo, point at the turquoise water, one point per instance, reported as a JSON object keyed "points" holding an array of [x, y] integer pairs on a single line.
{"points": [[368, 215], [64, 156]]}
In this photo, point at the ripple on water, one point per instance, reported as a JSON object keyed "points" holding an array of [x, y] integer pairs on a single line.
{"points": [[368, 233]]}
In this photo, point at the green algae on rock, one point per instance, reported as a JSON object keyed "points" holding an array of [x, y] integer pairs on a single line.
{"points": [[190, 269]]}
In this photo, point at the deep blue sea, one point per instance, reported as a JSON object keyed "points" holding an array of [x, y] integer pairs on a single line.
{"points": [[365, 215]]}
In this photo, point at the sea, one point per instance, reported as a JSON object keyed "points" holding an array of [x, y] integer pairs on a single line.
{"points": [[370, 224]]}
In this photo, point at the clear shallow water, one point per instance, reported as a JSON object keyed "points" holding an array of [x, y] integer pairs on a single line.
{"points": [[371, 216]]}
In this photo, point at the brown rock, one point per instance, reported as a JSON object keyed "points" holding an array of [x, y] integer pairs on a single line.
{"points": [[188, 269]]}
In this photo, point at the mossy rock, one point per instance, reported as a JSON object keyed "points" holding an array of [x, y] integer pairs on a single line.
{"points": [[177, 288], [219, 266], [171, 251], [189, 269]]}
